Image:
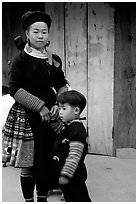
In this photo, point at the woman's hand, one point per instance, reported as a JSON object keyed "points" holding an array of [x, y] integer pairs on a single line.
{"points": [[45, 114], [54, 111], [63, 180]]}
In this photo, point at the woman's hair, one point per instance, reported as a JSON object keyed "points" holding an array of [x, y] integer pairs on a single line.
{"points": [[73, 98]]}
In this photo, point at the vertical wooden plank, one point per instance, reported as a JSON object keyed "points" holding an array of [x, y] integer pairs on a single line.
{"points": [[56, 34], [125, 77], [76, 47], [100, 77]]}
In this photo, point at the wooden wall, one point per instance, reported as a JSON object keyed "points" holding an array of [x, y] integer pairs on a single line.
{"points": [[90, 38], [100, 76], [85, 33], [125, 77]]}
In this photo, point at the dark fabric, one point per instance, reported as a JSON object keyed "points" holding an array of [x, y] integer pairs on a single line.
{"points": [[44, 185], [34, 16], [27, 186], [37, 77], [29, 181], [44, 138], [5, 90], [73, 132], [76, 190], [41, 199], [30, 200]]}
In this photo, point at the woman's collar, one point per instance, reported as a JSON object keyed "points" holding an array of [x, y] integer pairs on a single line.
{"points": [[38, 54], [34, 52]]}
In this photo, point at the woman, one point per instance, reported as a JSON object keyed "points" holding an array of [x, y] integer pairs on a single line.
{"points": [[36, 78]]}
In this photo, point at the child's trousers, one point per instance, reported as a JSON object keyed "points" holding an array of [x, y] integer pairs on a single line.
{"points": [[76, 191]]}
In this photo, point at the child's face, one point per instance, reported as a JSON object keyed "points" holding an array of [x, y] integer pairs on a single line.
{"points": [[38, 35], [67, 113]]}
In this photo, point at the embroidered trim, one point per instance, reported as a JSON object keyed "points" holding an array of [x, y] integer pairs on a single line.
{"points": [[42, 55], [34, 52]]}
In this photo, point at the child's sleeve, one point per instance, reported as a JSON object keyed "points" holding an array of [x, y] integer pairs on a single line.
{"points": [[56, 124], [72, 161]]}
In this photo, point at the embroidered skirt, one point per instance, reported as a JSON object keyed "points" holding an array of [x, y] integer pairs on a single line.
{"points": [[18, 144], [18, 140]]}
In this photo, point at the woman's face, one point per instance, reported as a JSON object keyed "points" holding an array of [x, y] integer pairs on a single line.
{"points": [[38, 35]]}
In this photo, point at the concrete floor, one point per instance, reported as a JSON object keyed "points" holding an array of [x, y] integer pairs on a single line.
{"points": [[110, 179]]}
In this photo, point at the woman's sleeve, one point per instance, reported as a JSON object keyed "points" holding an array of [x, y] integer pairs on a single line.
{"points": [[16, 81], [28, 100], [16, 75], [60, 82]]}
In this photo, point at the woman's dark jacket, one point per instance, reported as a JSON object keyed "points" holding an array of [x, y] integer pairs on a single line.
{"points": [[38, 77]]}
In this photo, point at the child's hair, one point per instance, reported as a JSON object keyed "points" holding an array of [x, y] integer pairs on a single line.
{"points": [[73, 98]]}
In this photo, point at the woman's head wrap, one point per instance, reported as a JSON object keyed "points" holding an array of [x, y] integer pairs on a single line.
{"points": [[34, 16]]}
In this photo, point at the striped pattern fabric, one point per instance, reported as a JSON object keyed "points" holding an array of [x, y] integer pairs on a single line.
{"points": [[17, 135], [28, 100], [72, 161], [56, 124]]}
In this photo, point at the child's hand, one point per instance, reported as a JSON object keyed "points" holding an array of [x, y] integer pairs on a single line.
{"points": [[63, 180]]}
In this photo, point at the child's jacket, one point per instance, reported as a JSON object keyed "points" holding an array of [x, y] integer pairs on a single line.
{"points": [[70, 149]]}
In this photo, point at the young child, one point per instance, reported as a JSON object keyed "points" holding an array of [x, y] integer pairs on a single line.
{"points": [[70, 148]]}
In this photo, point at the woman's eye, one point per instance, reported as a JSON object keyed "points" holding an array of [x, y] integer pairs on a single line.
{"points": [[44, 32]]}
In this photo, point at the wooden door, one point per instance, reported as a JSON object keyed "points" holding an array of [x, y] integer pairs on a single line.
{"points": [[83, 36]]}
